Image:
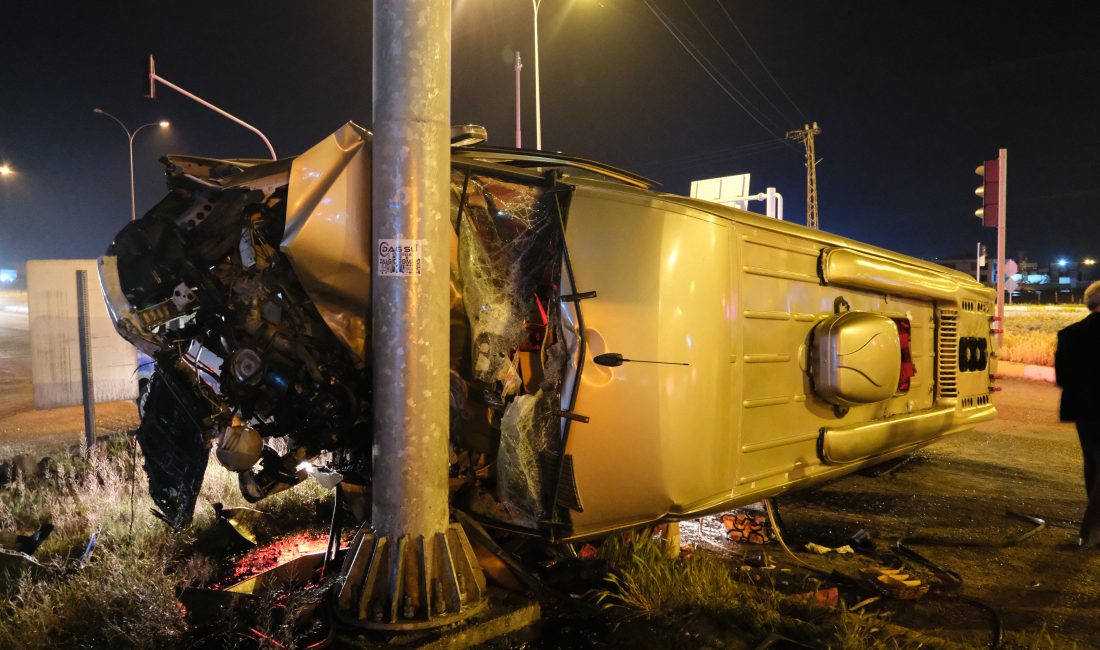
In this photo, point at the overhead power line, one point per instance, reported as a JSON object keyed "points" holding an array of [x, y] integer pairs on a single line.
{"points": [[710, 157], [744, 73], [707, 67]]}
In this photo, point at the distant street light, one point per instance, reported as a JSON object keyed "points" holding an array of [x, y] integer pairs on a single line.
{"points": [[1088, 261], [1062, 262], [6, 171], [130, 136]]}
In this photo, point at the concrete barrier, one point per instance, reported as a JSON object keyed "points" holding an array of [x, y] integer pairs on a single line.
{"points": [[55, 353], [1025, 371]]}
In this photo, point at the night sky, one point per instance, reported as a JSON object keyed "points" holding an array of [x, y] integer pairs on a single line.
{"points": [[910, 97]]}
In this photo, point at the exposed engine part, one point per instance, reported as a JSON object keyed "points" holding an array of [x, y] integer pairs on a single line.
{"points": [[239, 447], [276, 473], [246, 366]]}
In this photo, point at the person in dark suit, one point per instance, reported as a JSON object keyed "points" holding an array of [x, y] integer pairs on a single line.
{"points": [[1077, 371]]}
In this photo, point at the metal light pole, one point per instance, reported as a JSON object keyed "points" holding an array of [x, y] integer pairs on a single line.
{"points": [[519, 132], [87, 383], [538, 101], [1002, 189], [413, 568], [130, 137], [154, 78]]}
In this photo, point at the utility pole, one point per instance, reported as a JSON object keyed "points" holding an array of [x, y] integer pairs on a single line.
{"points": [[805, 135], [412, 568]]}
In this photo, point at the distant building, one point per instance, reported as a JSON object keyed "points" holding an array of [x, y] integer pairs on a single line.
{"points": [[966, 262], [1061, 281], [12, 276]]}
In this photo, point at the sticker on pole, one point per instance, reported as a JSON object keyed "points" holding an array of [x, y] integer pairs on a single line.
{"points": [[400, 257]]}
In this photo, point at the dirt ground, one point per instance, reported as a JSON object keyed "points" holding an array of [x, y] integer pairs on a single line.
{"points": [[950, 500], [23, 429]]}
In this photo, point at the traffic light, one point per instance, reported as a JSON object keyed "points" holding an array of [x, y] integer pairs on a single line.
{"points": [[149, 83], [989, 192]]}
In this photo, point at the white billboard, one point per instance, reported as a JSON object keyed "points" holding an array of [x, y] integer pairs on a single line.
{"points": [[55, 340], [723, 190]]}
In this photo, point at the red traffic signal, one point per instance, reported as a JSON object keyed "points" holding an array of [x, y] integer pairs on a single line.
{"points": [[989, 192]]}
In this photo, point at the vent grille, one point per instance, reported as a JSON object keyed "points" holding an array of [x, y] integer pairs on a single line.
{"points": [[976, 306], [976, 401], [947, 353]]}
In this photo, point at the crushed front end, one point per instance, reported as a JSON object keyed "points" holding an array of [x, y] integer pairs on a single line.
{"points": [[249, 285]]}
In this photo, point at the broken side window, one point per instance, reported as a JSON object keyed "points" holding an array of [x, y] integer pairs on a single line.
{"points": [[506, 270]]}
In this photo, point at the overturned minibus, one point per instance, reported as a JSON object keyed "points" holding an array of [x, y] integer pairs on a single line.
{"points": [[619, 356]]}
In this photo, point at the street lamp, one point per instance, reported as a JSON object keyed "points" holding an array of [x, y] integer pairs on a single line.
{"points": [[130, 137], [5, 170], [538, 102]]}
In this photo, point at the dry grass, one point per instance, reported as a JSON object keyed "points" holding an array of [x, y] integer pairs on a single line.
{"points": [[1031, 332], [125, 597], [1041, 640]]}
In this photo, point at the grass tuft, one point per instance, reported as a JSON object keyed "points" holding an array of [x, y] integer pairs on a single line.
{"points": [[126, 595], [643, 582]]}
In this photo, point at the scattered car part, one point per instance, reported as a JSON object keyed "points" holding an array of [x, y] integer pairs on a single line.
{"points": [[27, 544]]}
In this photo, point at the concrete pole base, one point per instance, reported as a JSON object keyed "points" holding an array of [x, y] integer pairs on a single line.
{"points": [[405, 583]]}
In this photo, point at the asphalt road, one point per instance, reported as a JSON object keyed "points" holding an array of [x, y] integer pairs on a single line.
{"points": [[24, 429], [951, 500]]}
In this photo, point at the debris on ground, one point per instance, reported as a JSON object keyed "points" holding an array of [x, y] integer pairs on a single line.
{"points": [[17, 550], [588, 552], [16, 560], [758, 560], [894, 583], [747, 528], [13, 541], [825, 550], [241, 520], [87, 554], [277, 552], [828, 597]]}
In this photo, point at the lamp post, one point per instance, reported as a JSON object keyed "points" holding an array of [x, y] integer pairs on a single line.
{"points": [[538, 102], [5, 171], [154, 78], [130, 135]]}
